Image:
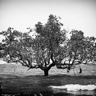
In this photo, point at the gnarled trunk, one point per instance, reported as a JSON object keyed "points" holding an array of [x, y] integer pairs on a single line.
{"points": [[46, 72]]}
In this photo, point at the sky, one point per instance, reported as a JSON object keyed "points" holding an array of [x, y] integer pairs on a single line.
{"points": [[75, 14]]}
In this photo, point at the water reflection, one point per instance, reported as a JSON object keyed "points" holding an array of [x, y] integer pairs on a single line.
{"points": [[75, 90], [83, 92]]}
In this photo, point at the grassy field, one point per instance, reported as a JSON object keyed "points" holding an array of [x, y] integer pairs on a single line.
{"points": [[19, 70], [17, 80]]}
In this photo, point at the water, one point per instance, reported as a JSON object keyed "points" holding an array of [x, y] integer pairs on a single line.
{"points": [[75, 89]]}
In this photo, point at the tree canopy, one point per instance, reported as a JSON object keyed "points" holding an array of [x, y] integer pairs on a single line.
{"points": [[50, 47], [47, 42]]}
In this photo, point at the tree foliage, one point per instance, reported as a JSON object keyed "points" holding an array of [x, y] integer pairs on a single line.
{"points": [[47, 42], [17, 47], [49, 48], [80, 49]]}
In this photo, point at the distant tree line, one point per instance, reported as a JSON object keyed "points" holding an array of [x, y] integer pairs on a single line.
{"points": [[50, 47]]}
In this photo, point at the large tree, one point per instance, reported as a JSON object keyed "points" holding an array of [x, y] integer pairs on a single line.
{"points": [[50, 47], [47, 43], [43, 49]]}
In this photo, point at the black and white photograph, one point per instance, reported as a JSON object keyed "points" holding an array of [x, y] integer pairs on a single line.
{"points": [[47, 47]]}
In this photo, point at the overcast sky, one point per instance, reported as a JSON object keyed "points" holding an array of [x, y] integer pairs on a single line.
{"points": [[75, 14]]}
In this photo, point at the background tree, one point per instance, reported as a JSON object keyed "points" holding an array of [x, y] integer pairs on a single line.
{"points": [[90, 52], [74, 51], [80, 50], [1, 50]]}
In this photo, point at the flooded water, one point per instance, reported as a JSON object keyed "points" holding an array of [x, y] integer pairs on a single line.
{"points": [[55, 92], [75, 89], [82, 93]]}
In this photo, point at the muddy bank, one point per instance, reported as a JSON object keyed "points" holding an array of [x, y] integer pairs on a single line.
{"points": [[40, 84]]}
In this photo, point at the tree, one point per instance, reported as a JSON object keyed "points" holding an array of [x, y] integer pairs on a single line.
{"points": [[17, 47], [80, 50], [75, 50], [43, 49], [1, 50], [49, 48], [47, 43], [90, 46]]}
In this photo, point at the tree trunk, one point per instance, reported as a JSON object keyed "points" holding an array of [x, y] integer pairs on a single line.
{"points": [[46, 72]]}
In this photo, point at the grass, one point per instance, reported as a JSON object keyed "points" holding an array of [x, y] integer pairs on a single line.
{"points": [[12, 83]]}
